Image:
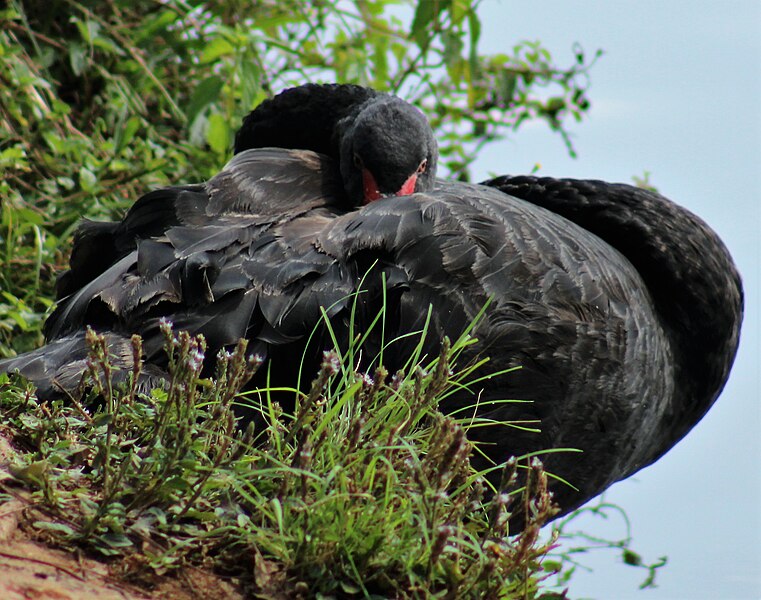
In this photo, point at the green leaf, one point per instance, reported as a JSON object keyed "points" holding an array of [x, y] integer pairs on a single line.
{"points": [[475, 35], [66, 183], [459, 9], [552, 566], [30, 217], [453, 46], [32, 473], [129, 131], [78, 58], [12, 158], [215, 49], [116, 540], [88, 30], [87, 180], [57, 527], [206, 93], [250, 75], [162, 21], [632, 558], [350, 588], [103, 418], [108, 45], [176, 483], [202, 515], [380, 62], [218, 133], [426, 11]]}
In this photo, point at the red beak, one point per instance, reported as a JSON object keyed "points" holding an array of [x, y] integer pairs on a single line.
{"points": [[372, 193], [408, 187]]}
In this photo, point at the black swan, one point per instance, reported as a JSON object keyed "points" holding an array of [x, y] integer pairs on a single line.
{"points": [[622, 309]]}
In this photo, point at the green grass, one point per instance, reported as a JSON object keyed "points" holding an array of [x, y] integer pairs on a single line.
{"points": [[365, 491]]}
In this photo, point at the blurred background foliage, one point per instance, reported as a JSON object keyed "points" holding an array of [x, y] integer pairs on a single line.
{"points": [[102, 101]]}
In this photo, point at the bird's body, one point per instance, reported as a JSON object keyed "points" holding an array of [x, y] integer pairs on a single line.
{"points": [[621, 309]]}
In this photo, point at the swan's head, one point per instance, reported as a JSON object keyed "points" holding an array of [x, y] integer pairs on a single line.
{"points": [[387, 148]]}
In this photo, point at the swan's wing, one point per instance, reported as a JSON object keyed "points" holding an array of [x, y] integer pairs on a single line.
{"points": [[175, 242]]}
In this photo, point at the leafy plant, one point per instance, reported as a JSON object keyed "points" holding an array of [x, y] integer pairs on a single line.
{"points": [[575, 543]]}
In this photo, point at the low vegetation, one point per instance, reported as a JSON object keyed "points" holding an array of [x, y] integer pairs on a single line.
{"points": [[365, 491]]}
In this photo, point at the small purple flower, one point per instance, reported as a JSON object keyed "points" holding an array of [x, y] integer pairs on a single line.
{"points": [[195, 359]]}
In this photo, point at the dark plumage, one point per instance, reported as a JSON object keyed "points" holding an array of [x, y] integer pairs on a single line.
{"points": [[621, 308]]}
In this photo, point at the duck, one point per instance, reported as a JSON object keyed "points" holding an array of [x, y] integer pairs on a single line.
{"points": [[609, 314]]}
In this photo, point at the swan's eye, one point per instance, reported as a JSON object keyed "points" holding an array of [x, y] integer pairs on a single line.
{"points": [[422, 166], [357, 161]]}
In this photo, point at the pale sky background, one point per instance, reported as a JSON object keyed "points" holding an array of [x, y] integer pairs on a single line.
{"points": [[678, 94]]}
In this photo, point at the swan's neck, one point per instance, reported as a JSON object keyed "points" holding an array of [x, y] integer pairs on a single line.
{"points": [[303, 117]]}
